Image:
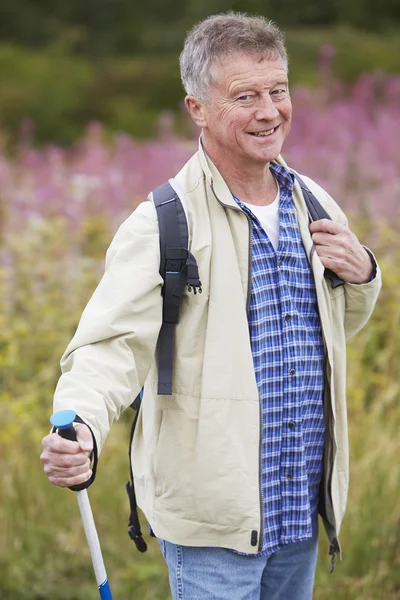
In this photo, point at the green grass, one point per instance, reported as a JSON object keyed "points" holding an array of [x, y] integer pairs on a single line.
{"points": [[43, 553]]}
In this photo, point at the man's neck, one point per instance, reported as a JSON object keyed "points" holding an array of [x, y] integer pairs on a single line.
{"points": [[259, 192], [253, 185]]}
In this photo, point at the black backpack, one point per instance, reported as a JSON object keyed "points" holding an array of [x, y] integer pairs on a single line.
{"points": [[178, 268]]}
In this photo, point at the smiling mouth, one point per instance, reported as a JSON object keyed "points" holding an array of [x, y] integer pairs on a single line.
{"points": [[265, 133]]}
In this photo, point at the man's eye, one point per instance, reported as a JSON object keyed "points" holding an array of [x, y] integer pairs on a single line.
{"points": [[244, 97], [279, 92]]}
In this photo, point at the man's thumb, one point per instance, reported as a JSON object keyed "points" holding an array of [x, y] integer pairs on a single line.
{"points": [[84, 437]]}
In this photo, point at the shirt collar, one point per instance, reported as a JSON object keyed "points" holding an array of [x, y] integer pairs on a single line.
{"points": [[284, 177]]}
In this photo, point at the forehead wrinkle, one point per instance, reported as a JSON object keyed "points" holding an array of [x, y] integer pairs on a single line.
{"points": [[251, 73], [233, 58]]}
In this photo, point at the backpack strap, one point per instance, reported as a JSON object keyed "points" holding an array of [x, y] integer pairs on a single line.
{"points": [[178, 268], [316, 212], [134, 530]]}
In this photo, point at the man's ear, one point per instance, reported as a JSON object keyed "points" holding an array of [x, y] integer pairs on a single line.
{"points": [[196, 110]]}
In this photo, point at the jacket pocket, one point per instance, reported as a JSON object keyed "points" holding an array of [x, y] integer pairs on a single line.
{"points": [[173, 461]]}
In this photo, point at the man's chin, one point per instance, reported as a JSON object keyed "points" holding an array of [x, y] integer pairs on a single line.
{"points": [[264, 158], [265, 155]]}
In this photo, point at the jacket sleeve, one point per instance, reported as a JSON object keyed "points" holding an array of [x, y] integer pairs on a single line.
{"points": [[360, 299], [109, 357]]}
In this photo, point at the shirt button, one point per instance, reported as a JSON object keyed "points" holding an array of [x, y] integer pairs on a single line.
{"points": [[280, 262], [289, 476], [288, 317], [292, 424], [292, 372]]}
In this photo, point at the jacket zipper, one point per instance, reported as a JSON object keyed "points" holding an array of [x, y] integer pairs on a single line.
{"points": [[261, 537], [334, 547], [328, 504], [250, 268]]}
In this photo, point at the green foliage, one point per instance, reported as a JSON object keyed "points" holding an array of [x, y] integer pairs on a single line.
{"points": [[105, 28], [355, 52], [60, 91], [49, 88], [43, 555]]}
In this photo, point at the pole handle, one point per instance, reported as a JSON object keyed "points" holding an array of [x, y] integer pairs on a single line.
{"points": [[68, 434], [62, 422]]}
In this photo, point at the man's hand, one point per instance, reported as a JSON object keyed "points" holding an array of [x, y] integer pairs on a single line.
{"points": [[339, 250], [67, 463]]}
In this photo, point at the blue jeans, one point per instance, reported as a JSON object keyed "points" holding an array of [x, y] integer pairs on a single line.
{"points": [[220, 574]]}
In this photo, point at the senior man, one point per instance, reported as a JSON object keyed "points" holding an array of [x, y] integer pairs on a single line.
{"points": [[232, 469]]}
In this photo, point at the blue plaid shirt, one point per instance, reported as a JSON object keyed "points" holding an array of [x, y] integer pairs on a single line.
{"points": [[288, 356]]}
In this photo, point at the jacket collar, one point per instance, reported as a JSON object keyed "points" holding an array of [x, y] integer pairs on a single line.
{"points": [[215, 179], [221, 190]]}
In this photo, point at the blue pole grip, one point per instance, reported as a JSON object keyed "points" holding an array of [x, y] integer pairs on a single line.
{"points": [[62, 421], [105, 592]]}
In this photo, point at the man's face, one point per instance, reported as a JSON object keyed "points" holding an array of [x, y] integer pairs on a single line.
{"points": [[248, 112]]}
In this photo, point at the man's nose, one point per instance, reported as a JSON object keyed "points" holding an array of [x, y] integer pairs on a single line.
{"points": [[266, 109]]}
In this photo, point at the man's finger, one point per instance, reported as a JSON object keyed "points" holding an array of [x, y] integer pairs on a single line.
{"points": [[70, 481], [323, 239], [326, 226], [84, 441], [84, 437], [334, 250], [64, 460], [55, 443], [66, 471]]}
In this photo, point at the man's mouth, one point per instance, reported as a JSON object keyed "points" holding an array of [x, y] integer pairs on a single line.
{"points": [[265, 133]]}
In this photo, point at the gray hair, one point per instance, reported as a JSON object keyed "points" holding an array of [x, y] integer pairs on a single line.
{"points": [[220, 36]]}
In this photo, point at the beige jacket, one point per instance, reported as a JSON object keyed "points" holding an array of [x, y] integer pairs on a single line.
{"points": [[196, 453]]}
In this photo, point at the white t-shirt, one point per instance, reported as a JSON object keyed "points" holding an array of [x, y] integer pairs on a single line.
{"points": [[269, 218]]}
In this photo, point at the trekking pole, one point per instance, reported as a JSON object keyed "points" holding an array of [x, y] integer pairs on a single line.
{"points": [[62, 422]]}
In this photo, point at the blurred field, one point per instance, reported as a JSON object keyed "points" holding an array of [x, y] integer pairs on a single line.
{"points": [[58, 210], [128, 92]]}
